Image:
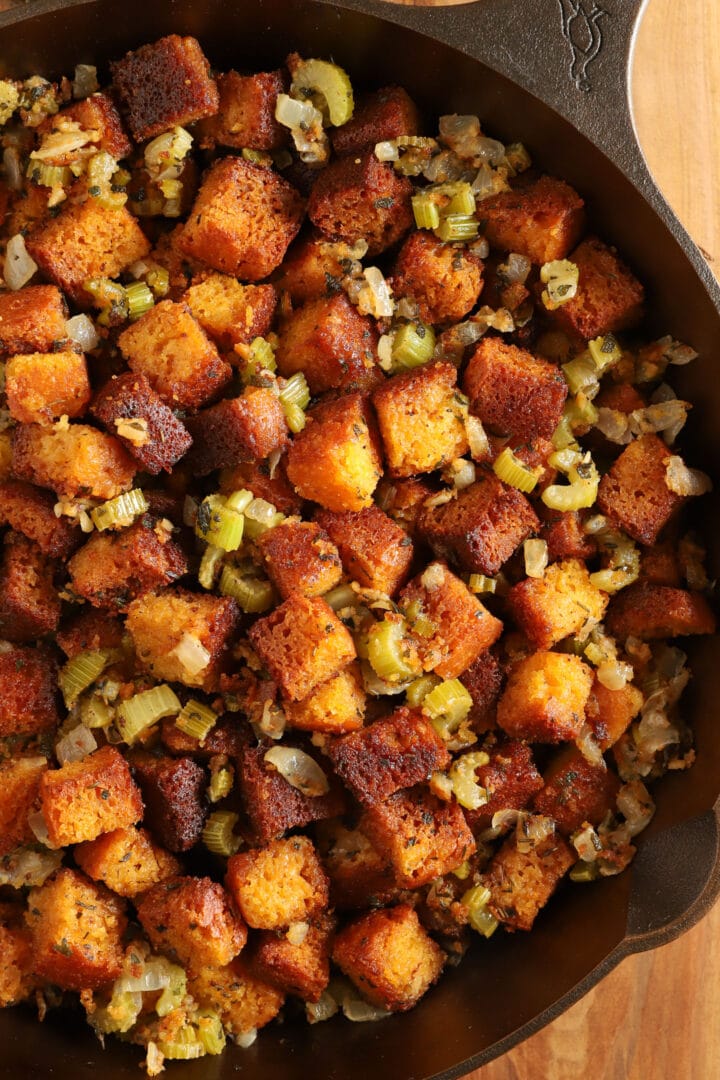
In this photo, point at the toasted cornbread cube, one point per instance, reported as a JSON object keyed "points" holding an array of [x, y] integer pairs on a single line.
{"points": [[564, 536], [542, 220], [609, 296], [375, 551], [313, 268], [634, 494], [19, 788], [230, 312], [398, 751], [610, 712], [16, 978], [389, 957], [623, 397], [158, 624], [404, 500], [444, 280], [42, 387], [84, 241], [76, 462], [660, 565], [243, 219], [29, 209], [246, 117], [302, 969], [360, 876], [182, 270], [83, 799], [29, 510], [89, 630], [171, 349], [576, 791], [249, 427], [334, 707], [658, 611], [481, 528], [510, 780], [32, 320], [521, 883], [126, 860], [240, 999], [423, 837], [358, 197], [29, 602], [545, 698], [380, 116], [28, 691], [94, 113], [191, 920], [5, 455], [277, 885], [302, 643], [158, 439], [463, 627], [164, 84], [299, 558], [512, 392], [558, 604], [331, 343], [255, 476], [335, 460], [421, 419], [76, 929], [173, 790], [483, 681]]}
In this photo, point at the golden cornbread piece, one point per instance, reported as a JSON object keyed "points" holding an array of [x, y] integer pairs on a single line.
{"points": [[652, 612], [42, 387], [127, 860], [576, 791], [443, 279], [610, 712], [302, 969], [278, 885], [16, 977], [29, 510], [85, 798], [246, 116], [332, 343], [609, 297], [378, 116], [29, 601], [375, 551], [230, 312], [300, 558], [542, 220], [521, 883], [243, 1002], [28, 690], [32, 320], [360, 876], [19, 790], [634, 493], [558, 604], [545, 698], [334, 707], [191, 920], [76, 461]]}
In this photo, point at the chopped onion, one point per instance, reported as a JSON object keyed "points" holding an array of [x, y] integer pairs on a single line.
{"points": [[13, 170], [684, 481], [192, 654], [76, 745], [155, 976], [386, 151], [322, 1009], [664, 416], [636, 806], [19, 266], [614, 674], [154, 1060], [589, 747], [81, 330], [378, 687], [587, 844], [531, 830], [297, 932], [39, 828], [536, 557], [462, 473], [361, 1012], [23, 869], [477, 439], [614, 425], [273, 721], [675, 352], [61, 144], [516, 269], [245, 1039], [85, 81], [376, 298], [299, 769], [504, 819], [433, 576]]}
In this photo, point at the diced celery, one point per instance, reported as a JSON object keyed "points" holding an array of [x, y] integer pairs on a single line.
{"points": [[508, 468], [219, 524], [218, 835], [475, 900], [457, 227], [387, 652], [413, 345], [448, 704], [295, 391], [119, 512], [211, 559], [80, 672], [142, 710], [140, 299], [466, 789], [425, 211], [328, 82], [196, 720]]}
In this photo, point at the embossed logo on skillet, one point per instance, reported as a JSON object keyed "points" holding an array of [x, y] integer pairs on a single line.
{"points": [[582, 30]]}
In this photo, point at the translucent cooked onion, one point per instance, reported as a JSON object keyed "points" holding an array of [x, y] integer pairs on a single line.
{"points": [[297, 932], [589, 747], [664, 416], [433, 576], [614, 674], [477, 438], [155, 976], [587, 844], [636, 805], [516, 269], [386, 151], [245, 1039], [684, 481], [531, 830], [39, 828], [85, 81], [63, 144], [675, 352], [376, 298], [299, 769], [26, 869], [614, 425], [81, 330], [76, 745], [13, 169], [535, 553], [192, 654], [19, 266], [323, 1009]]}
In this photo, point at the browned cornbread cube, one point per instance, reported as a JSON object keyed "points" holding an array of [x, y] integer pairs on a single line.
{"points": [[89, 630], [422, 836], [331, 343], [242, 1001], [28, 209], [172, 350], [510, 780], [512, 392], [28, 691], [398, 751], [610, 712], [83, 799], [379, 116], [334, 707], [660, 564], [173, 791], [389, 957], [126, 860], [246, 117], [360, 876], [483, 681], [302, 969], [76, 462], [164, 84], [182, 270], [249, 427], [609, 296], [542, 220], [335, 460], [243, 219], [558, 604], [84, 241], [404, 500], [32, 320], [158, 624], [76, 929], [521, 883], [375, 551], [564, 536], [29, 602], [94, 113], [5, 455], [160, 440], [42, 387], [463, 627], [313, 267], [300, 558], [421, 419], [623, 397], [545, 698], [576, 792], [480, 529], [19, 787], [230, 312], [277, 885], [29, 510], [16, 978], [302, 643], [444, 280], [658, 611], [358, 197], [191, 920], [256, 477], [634, 494]]}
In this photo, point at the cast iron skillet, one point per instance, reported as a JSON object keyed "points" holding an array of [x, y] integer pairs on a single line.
{"points": [[554, 74]]}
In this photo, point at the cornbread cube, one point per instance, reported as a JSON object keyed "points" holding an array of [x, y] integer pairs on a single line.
{"points": [[463, 627], [609, 296], [126, 860], [358, 197], [84, 241], [246, 117], [302, 969], [576, 791], [398, 751], [164, 84], [278, 885], [545, 698], [375, 551], [389, 957], [302, 643], [158, 624], [29, 602], [335, 460], [159, 439], [243, 219], [658, 611], [173, 791], [423, 837], [660, 565], [16, 978], [230, 312], [300, 558], [28, 691], [76, 928], [542, 220], [83, 799], [564, 536], [170, 348], [360, 876], [331, 342], [32, 320], [405, 500], [558, 604], [19, 789], [421, 419], [634, 494], [483, 681], [334, 707], [28, 209], [29, 510], [76, 462], [623, 397], [521, 883], [380, 116], [94, 113], [248, 427], [512, 392], [42, 387], [510, 779], [444, 280], [89, 630], [313, 268], [255, 476], [240, 999], [191, 920], [5, 455], [182, 270], [610, 712]]}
